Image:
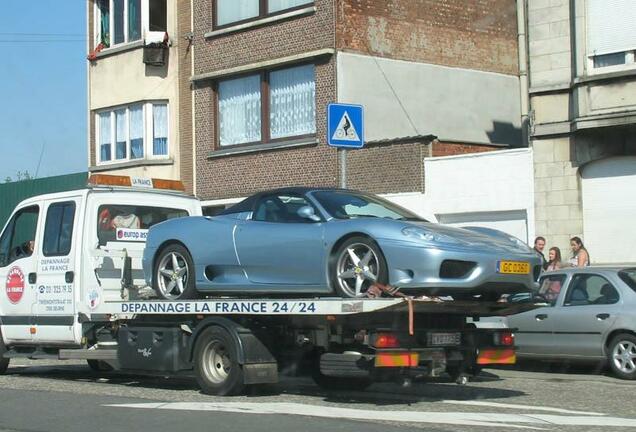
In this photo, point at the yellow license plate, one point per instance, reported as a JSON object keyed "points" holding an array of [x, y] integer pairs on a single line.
{"points": [[513, 267]]}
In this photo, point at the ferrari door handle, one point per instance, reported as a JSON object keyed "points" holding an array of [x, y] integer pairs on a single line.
{"points": [[541, 317], [602, 316]]}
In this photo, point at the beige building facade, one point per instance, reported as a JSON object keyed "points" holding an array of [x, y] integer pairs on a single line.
{"points": [[133, 88], [582, 76]]}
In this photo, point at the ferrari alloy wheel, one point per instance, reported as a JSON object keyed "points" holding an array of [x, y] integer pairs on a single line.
{"points": [[217, 369], [174, 274], [622, 356], [359, 265]]}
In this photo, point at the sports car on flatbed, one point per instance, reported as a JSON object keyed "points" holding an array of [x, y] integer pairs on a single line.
{"points": [[312, 241]]}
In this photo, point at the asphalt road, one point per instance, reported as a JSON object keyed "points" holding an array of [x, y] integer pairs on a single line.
{"points": [[67, 396]]}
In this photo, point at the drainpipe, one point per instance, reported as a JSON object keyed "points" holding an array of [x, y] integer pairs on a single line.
{"points": [[522, 43]]}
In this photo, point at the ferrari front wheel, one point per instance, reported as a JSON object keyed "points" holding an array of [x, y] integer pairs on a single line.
{"points": [[358, 265]]}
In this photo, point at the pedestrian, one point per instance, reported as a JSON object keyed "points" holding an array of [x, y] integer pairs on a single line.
{"points": [[580, 256], [554, 259], [539, 245]]}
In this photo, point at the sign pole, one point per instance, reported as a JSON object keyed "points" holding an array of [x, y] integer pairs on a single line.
{"points": [[343, 168]]}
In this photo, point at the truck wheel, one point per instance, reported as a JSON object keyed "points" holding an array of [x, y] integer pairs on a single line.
{"points": [[4, 362], [621, 355], [357, 265], [174, 274], [340, 383], [215, 363]]}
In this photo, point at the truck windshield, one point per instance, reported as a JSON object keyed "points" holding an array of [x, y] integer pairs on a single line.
{"points": [[114, 217]]}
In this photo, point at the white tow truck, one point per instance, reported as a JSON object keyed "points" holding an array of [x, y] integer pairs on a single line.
{"points": [[73, 288]]}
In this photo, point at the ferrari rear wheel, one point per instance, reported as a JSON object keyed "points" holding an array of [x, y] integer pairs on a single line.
{"points": [[174, 274], [359, 264]]}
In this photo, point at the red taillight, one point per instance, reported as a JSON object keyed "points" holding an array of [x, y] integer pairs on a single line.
{"points": [[386, 340], [506, 339]]}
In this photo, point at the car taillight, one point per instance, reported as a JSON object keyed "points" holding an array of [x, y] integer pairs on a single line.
{"points": [[505, 338], [386, 340]]}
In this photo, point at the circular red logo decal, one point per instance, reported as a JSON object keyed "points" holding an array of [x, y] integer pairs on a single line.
{"points": [[15, 285]]}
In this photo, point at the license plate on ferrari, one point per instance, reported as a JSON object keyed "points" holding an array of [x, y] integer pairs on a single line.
{"points": [[513, 267], [444, 339]]}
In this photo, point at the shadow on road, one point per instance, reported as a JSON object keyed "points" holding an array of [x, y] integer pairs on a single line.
{"points": [[381, 394], [553, 367]]}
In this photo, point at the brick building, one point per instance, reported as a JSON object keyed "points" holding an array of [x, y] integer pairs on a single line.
{"points": [[239, 103], [264, 72], [583, 134]]}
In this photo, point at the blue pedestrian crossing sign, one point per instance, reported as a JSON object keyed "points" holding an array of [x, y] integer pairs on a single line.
{"points": [[345, 125]]}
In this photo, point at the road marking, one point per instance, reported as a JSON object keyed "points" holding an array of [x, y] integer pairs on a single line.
{"points": [[520, 421], [523, 407]]}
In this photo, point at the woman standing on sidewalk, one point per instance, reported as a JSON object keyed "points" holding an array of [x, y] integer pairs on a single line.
{"points": [[580, 256], [554, 259]]}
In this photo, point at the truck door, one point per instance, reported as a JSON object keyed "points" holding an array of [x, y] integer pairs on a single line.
{"points": [[55, 293], [18, 261]]}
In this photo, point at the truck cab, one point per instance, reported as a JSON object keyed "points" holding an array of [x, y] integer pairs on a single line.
{"points": [[63, 254]]}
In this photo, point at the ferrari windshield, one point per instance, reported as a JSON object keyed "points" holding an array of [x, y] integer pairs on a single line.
{"points": [[351, 205]]}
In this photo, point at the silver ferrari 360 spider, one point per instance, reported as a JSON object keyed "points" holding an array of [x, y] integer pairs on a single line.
{"points": [[312, 241]]}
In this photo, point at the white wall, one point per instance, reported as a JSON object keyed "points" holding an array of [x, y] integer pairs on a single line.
{"points": [[609, 210], [494, 189], [452, 103]]}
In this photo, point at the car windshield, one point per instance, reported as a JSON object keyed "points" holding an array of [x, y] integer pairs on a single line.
{"points": [[629, 277], [351, 205]]}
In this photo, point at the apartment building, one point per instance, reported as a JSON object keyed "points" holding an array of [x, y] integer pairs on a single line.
{"points": [[435, 78], [583, 134], [135, 60]]}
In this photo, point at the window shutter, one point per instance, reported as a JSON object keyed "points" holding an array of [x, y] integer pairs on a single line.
{"points": [[611, 26]]}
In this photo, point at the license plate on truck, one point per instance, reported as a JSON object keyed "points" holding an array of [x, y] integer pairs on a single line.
{"points": [[513, 267], [444, 339]]}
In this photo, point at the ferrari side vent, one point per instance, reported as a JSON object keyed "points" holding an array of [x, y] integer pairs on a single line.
{"points": [[455, 269]]}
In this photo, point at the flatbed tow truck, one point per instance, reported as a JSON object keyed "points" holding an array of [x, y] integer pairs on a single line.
{"points": [[76, 292]]}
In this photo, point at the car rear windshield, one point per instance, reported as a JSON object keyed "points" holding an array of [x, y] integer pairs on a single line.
{"points": [[629, 277], [130, 217], [349, 205]]}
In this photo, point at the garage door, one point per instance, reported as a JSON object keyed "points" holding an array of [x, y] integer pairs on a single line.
{"points": [[609, 210], [513, 222]]}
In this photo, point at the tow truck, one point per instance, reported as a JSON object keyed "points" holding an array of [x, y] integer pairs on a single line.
{"points": [[74, 289]]}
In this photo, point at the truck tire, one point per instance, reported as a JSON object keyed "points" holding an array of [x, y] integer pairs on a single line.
{"points": [[4, 362], [173, 274], [216, 366], [357, 265], [621, 356]]}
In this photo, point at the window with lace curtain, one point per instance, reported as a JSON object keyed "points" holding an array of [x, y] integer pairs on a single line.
{"points": [[267, 107], [132, 132], [232, 12]]}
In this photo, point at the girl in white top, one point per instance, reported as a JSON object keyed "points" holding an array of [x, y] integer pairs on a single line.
{"points": [[580, 257]]}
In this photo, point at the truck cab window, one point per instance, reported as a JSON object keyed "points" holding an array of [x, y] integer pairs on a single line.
{"points": [[114, 217], [58, 230], [18, 239]]}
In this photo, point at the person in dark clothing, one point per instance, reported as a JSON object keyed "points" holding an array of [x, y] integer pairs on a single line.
{"points": [[539, 245]]}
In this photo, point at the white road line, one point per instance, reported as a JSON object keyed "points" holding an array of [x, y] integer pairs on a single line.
{"points": [[522, 407], [522, 421]]}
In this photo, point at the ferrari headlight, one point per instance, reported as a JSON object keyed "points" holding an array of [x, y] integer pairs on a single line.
{"points": [[427, 236]]}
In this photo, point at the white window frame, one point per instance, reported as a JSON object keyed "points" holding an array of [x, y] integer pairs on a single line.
{"points": [[148, 136], [630, 63], [630, 54], [145, 16]]}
